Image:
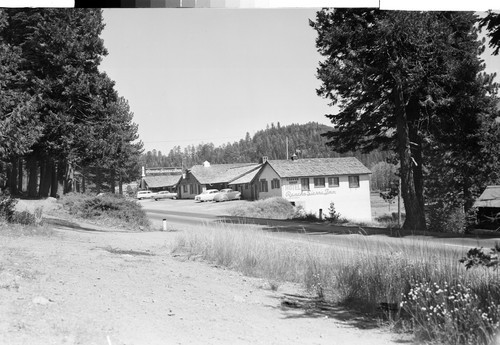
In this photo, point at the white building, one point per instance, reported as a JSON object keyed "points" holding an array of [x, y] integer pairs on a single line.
{"points": [[314, 183]]}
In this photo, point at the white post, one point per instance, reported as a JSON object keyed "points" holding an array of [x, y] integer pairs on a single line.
{"points": [[164, 224]]}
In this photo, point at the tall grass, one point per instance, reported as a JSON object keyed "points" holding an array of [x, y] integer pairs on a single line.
{"points": [[364, 273]]}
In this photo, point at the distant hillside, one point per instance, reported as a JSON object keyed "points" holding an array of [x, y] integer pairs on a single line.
{"points": [[305, 140]]}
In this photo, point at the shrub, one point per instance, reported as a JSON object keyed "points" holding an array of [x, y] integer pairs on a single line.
{"points": [[441, 218], [7, 207], [390, 221], [301, 214], [108, 208], [273, 208], [450, 314], [333, 215], [24, 218]]}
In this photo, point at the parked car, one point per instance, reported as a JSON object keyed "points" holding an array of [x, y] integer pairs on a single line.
{"points": [[227, 194], [145, 194], [207, 195], [165, 195]]}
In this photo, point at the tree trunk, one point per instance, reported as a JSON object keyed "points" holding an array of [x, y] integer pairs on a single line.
{"points": [[120, 184], [45, 177], [54, 185], [13, 177], [98, 180], [415, 216], [69, 177], [112, 180], [32, 167], [20, 174], [468, 198], [83, 181]]}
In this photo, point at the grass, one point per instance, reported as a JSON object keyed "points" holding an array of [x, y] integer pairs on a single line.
{"points": [[16, 229], [374, 276], [109, 209]]}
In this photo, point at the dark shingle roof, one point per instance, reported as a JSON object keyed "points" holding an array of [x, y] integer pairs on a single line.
{"points": [[489, 198], [162, 180], [318, 167], [221, 173]]}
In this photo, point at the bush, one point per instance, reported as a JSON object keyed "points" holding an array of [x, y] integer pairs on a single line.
{"points": [[444, 219], [301, 214], [450, 314], [7, 207], [273, 208], [107, 208], [24, 218], [390, 221]]}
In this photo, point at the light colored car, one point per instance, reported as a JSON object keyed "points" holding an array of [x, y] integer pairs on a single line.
{"points": [[165, 194], [207, 195], [227, 194], [145, 194]]}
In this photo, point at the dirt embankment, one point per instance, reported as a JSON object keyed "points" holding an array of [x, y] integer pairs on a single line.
{"points": [[95, 286]]}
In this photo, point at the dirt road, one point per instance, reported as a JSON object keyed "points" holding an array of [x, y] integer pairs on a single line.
{"points": [[102, 287]]}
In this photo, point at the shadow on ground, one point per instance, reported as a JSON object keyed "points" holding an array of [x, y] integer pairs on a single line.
{"points": [[321, 228], [70, 225], [298, 306]]}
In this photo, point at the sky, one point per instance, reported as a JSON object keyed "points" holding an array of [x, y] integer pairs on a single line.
{"points": [[212, 75], [196, 76]]}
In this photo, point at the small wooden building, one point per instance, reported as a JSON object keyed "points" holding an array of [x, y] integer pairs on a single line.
{"points": [[488, 206], [162, 182], [212, 176]]}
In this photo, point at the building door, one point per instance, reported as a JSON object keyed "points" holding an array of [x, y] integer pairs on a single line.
{"points": [[254, 192]]}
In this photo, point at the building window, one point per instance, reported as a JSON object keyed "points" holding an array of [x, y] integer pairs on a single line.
{"points": [[293, 181], [185, 188], [275, 183], [333, 182], [191, 189], [353, 181], [246, 186], [304, 183], [319, 182], [263, 185]]}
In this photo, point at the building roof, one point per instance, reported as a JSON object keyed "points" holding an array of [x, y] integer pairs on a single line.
{"points": [[489, 198], [247, 178], [318, 167], [221, 173], [162, 180]]}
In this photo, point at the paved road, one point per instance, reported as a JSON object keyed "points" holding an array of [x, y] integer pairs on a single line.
{"points": [[187, 212]]}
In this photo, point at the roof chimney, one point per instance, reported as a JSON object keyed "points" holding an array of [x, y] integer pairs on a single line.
{"points": [[206, 164], [294, 157], [264, 159]]}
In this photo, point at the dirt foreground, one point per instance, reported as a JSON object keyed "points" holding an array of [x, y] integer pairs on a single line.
{"points": [[98, 286]]}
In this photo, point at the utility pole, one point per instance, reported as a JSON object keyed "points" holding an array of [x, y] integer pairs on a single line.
{"points": [[286, 148]]}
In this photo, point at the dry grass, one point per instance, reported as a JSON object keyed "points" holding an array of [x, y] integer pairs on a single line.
{"points": [[14, 229], [271, 208], [359, 271]]}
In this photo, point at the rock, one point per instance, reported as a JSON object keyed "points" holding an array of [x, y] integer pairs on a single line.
{"points": [[239, 299], [41, 300]]}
